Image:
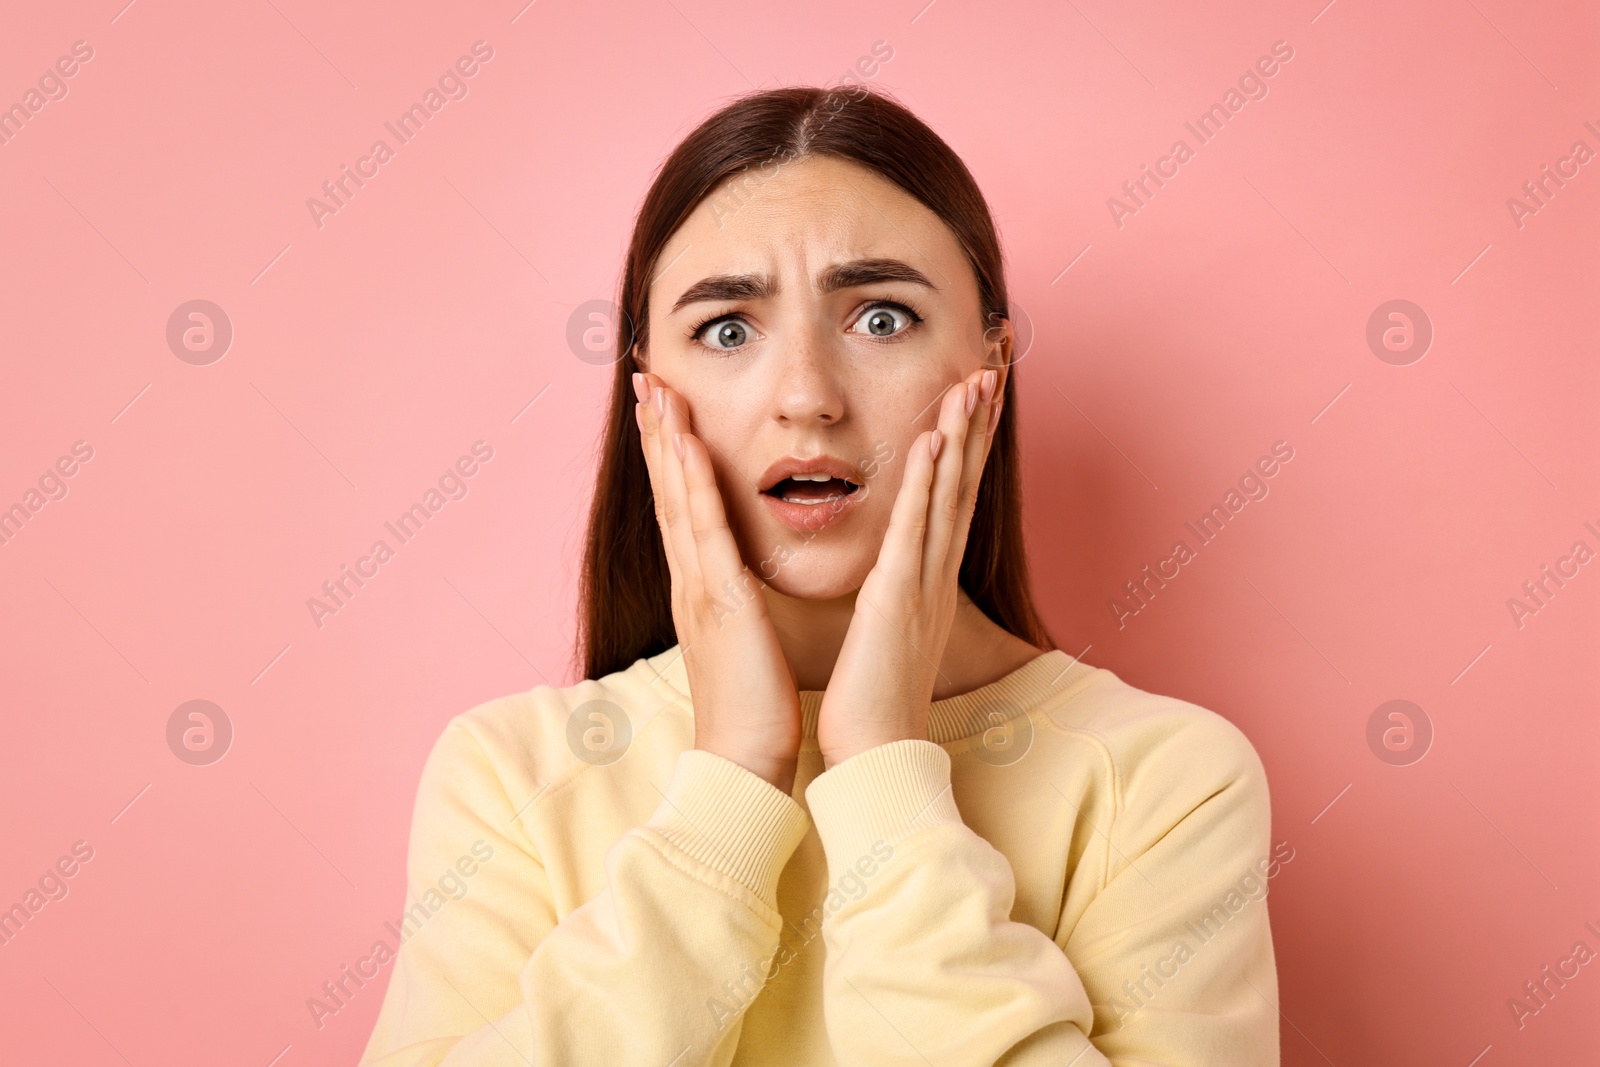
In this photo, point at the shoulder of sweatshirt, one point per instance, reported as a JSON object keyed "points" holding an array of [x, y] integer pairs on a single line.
{"points": [[1163, 757], [537, 743]]}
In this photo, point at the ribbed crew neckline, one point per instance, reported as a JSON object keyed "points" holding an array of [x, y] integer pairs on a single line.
{"points": [[949, 719]]}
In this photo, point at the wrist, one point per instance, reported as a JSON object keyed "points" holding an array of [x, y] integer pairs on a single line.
{"points": [[776, 771], [836, 752]]}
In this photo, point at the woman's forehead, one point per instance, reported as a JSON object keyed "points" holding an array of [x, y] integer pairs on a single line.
{"points": [[805, 221]]}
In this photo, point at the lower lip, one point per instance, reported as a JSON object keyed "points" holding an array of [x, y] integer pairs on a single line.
{"points": [[811, 518]]}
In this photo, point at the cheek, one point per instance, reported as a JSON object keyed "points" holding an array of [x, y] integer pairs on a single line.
{"points": [[895, 413], [955, 353], [721, 418], [737, 465]]}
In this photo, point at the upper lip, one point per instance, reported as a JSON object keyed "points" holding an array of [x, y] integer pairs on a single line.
{"points": [[789, 466]]}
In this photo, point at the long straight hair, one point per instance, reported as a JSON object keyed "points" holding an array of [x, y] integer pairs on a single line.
{"points": [[626, 586]]}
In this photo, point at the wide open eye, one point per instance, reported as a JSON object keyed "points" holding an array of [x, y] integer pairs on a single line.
{"points": [[724, 334], [886, 319]]}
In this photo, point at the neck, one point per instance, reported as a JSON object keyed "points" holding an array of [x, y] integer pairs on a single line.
{"points": [[811, 633]]}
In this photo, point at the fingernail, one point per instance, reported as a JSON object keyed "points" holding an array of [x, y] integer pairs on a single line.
{"points": [[987, 385], [933, 444], [994, 417], [972, 397], [677, 445], [640, 390], [661, 401]]}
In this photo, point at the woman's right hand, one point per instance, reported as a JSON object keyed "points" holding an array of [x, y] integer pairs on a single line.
{"points": [[746, 707]]}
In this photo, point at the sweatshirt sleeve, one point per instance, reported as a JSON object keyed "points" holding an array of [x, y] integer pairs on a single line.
{"points": [[926, 966], [492, 976]]}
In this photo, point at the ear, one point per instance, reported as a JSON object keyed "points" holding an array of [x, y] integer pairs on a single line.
{"points": [[999, 346]]}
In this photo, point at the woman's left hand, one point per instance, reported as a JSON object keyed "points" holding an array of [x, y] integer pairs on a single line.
{"points": [[884, 678]]}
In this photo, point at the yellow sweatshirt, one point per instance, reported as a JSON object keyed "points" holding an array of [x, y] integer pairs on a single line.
{"points": [[1070, 870]]}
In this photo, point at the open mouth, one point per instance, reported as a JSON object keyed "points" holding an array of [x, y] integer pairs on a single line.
{"points": [[812, 489]]}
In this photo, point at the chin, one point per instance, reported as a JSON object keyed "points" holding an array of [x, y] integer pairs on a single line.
{"points": [[814, 575]]}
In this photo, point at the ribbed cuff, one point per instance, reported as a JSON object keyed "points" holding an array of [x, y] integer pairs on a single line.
{"points": [[884, 794], [731, 820]]}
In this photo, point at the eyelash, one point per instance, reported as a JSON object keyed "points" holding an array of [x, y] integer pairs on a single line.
{"points": [[916, 319]]}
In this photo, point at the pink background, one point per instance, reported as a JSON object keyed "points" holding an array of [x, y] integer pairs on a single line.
{"points": [[1171, 352]]}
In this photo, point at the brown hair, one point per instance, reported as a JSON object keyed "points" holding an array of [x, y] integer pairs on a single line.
{"points": [[626, 610]]}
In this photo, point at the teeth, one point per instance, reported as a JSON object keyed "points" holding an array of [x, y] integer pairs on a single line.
{"points": [[828, 500], [818, 477]]}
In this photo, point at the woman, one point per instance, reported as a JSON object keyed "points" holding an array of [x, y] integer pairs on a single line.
{"points": [[830, 794]]}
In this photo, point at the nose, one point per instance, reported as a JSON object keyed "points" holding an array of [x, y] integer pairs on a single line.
{"points": [[808, 389]]}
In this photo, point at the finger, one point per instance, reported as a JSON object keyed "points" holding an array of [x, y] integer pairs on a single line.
{"points": [[980, 434], [955, 420], [723, 569], [672, 418], [901, 554], [651, 443]]}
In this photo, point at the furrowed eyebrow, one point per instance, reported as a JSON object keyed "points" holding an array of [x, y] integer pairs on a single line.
{"points": [[727, 287], [867, 271], [849, 275]]}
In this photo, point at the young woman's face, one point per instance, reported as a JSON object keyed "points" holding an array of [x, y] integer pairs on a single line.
{"points": [[815, 313]]}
